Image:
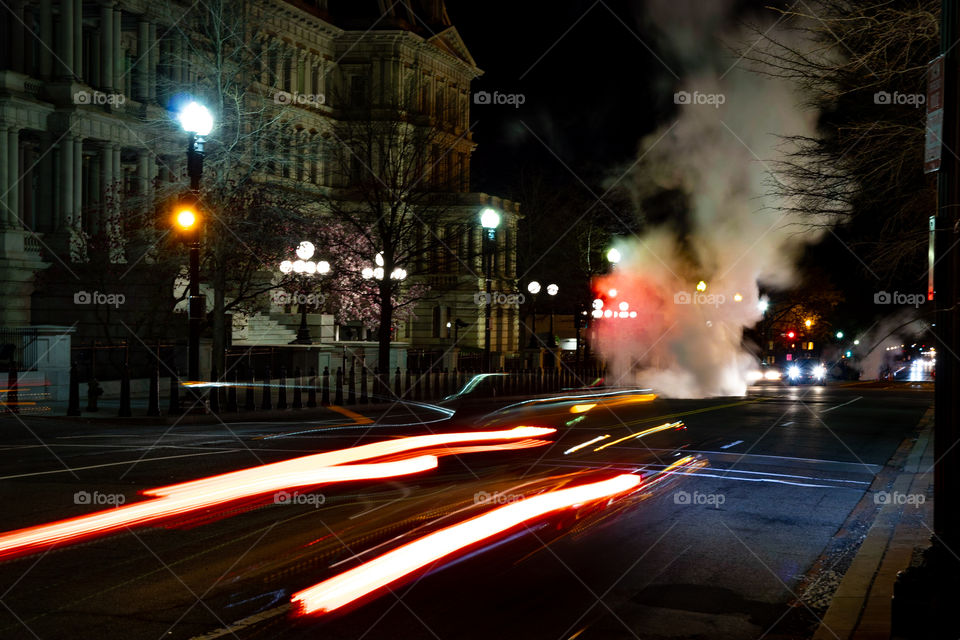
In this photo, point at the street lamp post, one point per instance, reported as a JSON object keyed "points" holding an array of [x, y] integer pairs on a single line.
{"points": [[534, 289], [304, 265], [552, 291], [196, 120], [489, 220], [377, 273]]}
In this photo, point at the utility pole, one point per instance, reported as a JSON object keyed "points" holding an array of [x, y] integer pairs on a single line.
{"points": [[925, 598], [946, 473]]}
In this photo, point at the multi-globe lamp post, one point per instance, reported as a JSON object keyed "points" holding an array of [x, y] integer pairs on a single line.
{"points": [[552, 291], [304, 266], [489, 220], [377, 273], [533, 288], [196, 120]]}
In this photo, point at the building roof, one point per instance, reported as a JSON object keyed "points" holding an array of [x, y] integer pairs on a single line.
{"points": [[424, 17]]}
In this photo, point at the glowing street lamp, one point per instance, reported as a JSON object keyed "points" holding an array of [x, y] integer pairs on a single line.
{"points": [[304, 265], [701, 286], [613, 255], [377, 272], [839, 335]]}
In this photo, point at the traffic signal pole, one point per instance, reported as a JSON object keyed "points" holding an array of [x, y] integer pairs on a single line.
{"points": [[196, 303]]}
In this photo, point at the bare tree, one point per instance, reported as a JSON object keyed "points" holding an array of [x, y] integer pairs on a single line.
{"points": [[254, 195], [862, 67], [396, 184]]}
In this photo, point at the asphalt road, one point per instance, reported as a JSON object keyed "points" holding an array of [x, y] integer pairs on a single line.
{"points": [[718, 551]]}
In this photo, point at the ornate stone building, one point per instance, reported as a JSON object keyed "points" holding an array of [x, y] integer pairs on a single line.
{"points": [[83, 84]]}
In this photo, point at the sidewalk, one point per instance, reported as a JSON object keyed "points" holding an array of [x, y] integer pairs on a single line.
{"points": [[861, 606]]}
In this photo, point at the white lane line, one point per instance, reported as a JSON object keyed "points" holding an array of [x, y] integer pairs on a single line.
{"points": [[732, 444], [246, 622], [114, 464], [842, 405], [787, 424]]}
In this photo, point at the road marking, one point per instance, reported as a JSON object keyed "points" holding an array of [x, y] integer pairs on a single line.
{"points": [[732, 444], [787, 424], [681, 414], [356, 417], [843, 405], [113, 464], [245, 622]]}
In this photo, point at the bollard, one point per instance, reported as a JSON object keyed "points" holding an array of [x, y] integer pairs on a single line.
{"points": [[351, 387], [214, 394], [312, 389], [407, 385], [153, 402], [282, 391], [396, 383], [338, 396], [249, 399], [266, 401], [297, 393], [232, 392], [174, 393], [418, 385], [13, 393], [73, 406], [124, 410], [94, 391], [325, 392]]}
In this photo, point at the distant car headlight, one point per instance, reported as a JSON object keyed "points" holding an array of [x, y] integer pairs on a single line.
{"points": [[793, 372], [772, 375], [820, 372], [753, 376]]}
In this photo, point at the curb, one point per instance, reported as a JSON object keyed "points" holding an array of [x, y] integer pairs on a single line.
{"points": [[861, 607]]}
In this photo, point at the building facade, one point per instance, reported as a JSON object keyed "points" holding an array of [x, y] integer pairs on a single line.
{"points": [[84, 84]]}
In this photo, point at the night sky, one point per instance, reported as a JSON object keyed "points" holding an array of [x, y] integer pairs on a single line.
{"points": [[590, 96]]}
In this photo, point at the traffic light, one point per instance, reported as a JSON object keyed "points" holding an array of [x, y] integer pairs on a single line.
{"points": [[186, 221], [186, 218], [791, 334]]}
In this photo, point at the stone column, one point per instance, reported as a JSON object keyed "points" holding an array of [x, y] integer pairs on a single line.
{"points": [[76, 221], [142, 92], [46, 38], [13, 176], [4, 177], [118, 70], [65, 50], [106, 46], [143, 172], [78, 39], [152, 65], [65, 196], [177, 58]]}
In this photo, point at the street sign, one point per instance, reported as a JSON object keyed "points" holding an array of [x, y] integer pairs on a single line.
{"points": [[934, 139]]}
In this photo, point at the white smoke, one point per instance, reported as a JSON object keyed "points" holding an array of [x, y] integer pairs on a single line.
{"points": [[719, 152], [880, 346]]}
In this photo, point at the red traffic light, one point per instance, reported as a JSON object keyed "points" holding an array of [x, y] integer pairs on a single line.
{"points": [[791, 335]]}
